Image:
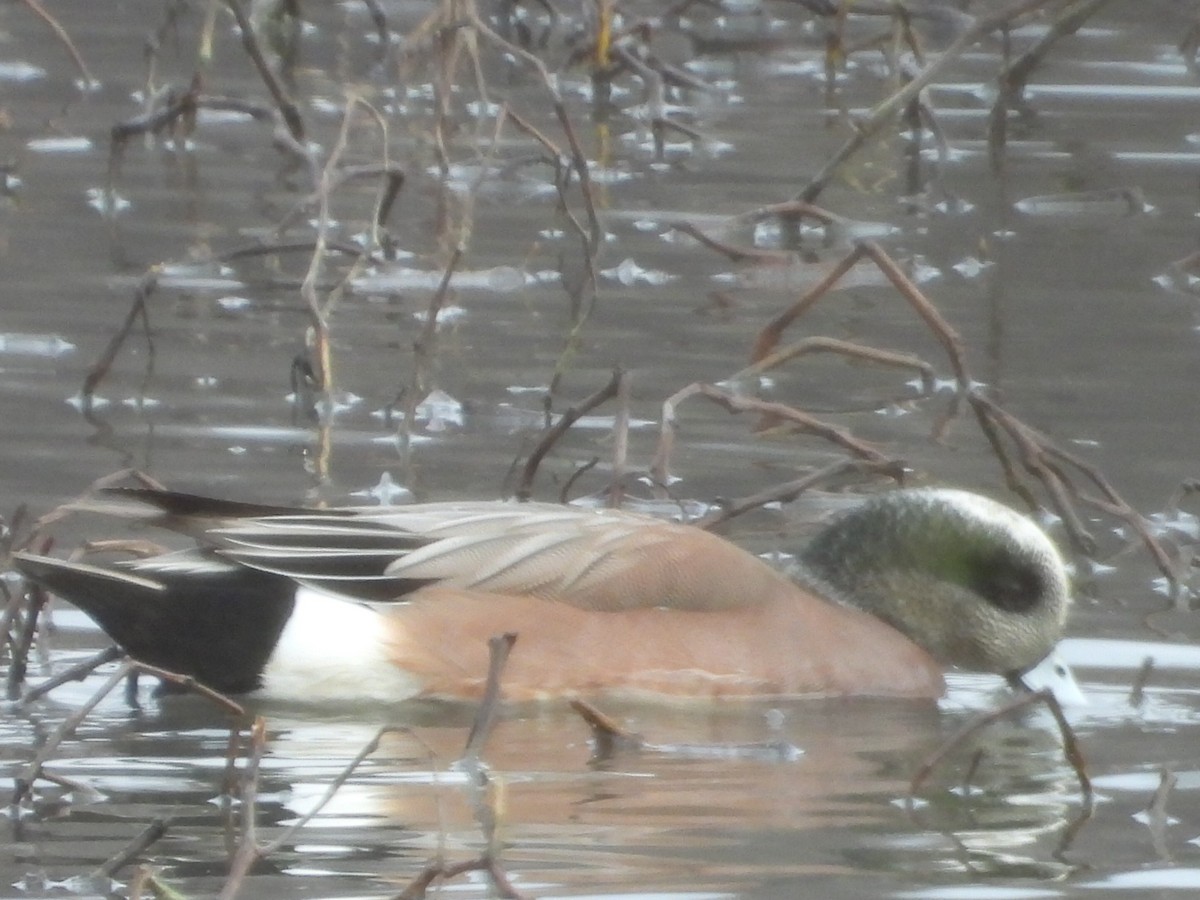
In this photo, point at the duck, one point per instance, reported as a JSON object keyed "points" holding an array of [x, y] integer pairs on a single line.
{"points": [[352, 604]]}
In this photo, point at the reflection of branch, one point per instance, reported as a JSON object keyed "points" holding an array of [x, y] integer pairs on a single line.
{"points": [[881, 115], [35, 6], [149, 835], [247, 850], [1071, 751], [287, 108], [23, 783], [1012, 81]]}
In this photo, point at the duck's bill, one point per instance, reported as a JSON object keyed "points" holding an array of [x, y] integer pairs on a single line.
{"points": [[1054, 675]]}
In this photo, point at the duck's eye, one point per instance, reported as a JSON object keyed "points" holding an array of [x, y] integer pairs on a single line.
{"points": [[1008, 583]]}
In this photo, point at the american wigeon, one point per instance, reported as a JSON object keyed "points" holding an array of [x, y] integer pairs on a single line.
{"points": [[391, 603]]}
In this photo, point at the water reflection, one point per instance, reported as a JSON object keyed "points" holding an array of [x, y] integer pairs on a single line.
{"points": [[1059, 306]]}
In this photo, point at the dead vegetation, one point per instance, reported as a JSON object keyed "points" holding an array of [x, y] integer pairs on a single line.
{"points": [[463, 53]]}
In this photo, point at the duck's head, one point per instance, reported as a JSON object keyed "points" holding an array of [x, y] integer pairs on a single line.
{"points": [[976, 584]]}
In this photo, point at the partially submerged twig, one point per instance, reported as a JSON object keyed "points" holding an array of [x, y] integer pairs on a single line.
{"points": [[137, 310], [23, 783], [499, 646], [609, 737], [1157, 819], [1071, 750], [777, 412], [147, 836], [286, 106], [1016, 75], [247, 851], [886, 111]]}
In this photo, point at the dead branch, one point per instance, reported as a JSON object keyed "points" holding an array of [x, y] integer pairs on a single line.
{"points": [[286, 106], [791, 490], [777, 412], [19, 665], [137, 311], [552, 434], [1071, 749], [499, 646], [23, 783], [334, 786], [247, 851], [188, 683], [770, 335], [843, 348], [419, 886], [148, 836], [609, 737], [77, 672], [736, 254], [866, 129], [1016, 75], [36, 7]]}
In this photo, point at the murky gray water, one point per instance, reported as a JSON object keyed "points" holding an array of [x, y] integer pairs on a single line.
{"points": [[1063, 289]]}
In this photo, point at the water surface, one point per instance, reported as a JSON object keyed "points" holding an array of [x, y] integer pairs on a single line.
{"points": [[1059, 271]]}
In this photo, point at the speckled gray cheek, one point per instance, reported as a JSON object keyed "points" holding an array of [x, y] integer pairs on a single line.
{"points": [[973, 582]]}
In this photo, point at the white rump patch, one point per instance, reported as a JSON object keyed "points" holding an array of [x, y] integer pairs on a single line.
{"points": [[334, 649]]}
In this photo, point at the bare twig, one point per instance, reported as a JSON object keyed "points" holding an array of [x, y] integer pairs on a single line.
{"points": [[1157, 819], [566, 420], [499, 646], [286, 106], [778, 412], [609, 737], [247, 851], [1137, 690], [18, 666], [419, 886], [882, 114], [77, 672], [736, 254], [188, 683], [789, 491], [36, 7], [137, 311], [620, 451], [1015, 76], [148, 835], [1071, 750], [23, 783], [844, 348], [334, 786]]}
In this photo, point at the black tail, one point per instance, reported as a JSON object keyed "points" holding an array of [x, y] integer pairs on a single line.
{"points": [[189, 514], [213, 621]]}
